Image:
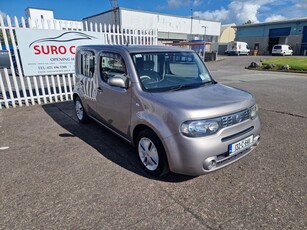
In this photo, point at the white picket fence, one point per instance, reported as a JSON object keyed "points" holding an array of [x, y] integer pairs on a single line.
{"points": [[30, 90]]}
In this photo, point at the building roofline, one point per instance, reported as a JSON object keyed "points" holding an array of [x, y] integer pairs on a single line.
{"points": [[108, 11], [228, 25], [35, 8], [149, 12], [273, 22]]}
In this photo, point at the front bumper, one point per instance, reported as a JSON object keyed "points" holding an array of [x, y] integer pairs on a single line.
{"points": [[191, 156]]}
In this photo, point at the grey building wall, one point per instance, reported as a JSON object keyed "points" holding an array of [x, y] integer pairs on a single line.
{"points": [[263, 36]]}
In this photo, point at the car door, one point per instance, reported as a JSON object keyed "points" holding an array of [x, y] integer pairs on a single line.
{"points": [[113, 103], [86, 79]]}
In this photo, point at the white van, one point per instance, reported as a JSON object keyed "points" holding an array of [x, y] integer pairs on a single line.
{"points": [[283, 50], [237, 48]]}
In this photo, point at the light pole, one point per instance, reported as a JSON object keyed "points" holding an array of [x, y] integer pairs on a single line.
{"points": [[191, 25], [205, 27]]}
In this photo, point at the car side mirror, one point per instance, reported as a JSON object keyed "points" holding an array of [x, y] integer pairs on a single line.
{"points": [[118, 81]]}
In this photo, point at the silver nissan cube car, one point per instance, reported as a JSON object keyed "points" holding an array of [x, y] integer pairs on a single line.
{"points": [[164, 102]]}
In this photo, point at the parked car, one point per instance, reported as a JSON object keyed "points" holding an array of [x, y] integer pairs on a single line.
{"points": [[4, 59], [174, 113], [13, 58], [282, 50], [237, 48]]}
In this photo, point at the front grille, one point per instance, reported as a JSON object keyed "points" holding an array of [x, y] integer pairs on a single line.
{"points": [[235, 118], [237, 134]]}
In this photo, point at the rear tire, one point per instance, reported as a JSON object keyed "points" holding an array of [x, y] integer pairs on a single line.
{"points": [[151, 153], [80, 111]]}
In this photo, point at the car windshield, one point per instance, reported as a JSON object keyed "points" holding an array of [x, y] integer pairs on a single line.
{"points": [[170, 71]]}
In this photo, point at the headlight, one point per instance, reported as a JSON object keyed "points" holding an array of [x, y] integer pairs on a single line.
{"points": [[201, 127], [253, 111]]}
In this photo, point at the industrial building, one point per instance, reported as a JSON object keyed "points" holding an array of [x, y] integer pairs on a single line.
{"points": [[263, 36], [228, 34], [170, 29], [41, 17]]}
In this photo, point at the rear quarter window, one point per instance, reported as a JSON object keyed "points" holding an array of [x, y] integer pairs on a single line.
{"points": [[87, 63]]}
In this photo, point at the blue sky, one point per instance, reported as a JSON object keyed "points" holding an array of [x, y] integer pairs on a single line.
{"points": [[225, 11]]}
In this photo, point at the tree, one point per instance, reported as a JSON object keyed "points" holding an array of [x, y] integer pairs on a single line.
{"points": [[248, 22]]}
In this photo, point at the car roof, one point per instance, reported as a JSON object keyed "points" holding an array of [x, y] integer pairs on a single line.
{"points": [[138, 48]]}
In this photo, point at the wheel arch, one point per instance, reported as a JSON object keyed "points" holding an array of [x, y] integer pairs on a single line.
{"points": [[140, 128], [74, 96]]}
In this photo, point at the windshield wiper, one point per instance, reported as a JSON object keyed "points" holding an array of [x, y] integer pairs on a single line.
{"points": [[179, 87], [207, 83], [189, 86]]}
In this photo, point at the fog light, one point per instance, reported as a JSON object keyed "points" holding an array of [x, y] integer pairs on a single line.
{"points": [[210, 163]]}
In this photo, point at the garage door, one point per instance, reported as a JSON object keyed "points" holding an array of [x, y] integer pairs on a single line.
{"points": [[304, 41], [280, 32]]}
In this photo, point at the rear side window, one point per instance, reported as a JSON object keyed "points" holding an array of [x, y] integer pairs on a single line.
{"points": [[87, 63], [277, 47], [111, 64]]}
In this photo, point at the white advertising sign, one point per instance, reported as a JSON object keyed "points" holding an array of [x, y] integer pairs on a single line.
{"points": [[51, 52]]}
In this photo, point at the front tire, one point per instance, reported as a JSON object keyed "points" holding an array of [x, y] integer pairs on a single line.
{"points": [[151, 153], [80, 111]]}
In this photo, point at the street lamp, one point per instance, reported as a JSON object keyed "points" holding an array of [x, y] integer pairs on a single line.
{"points": [[205, 27], [191, 25]]}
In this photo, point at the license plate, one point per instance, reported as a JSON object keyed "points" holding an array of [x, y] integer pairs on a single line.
{"points": [[240, 145]]}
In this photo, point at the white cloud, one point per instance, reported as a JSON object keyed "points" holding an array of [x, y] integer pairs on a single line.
{"points": [[3, 14], [298, 10], [197, 3], [302, 4], [217, 15], [238, 12], [275, 18], [241, 11], [175, 4]]}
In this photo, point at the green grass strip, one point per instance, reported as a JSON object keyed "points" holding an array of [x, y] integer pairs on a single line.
{"points": [[295, 63]]}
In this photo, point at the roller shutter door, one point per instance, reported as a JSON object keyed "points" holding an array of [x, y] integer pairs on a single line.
{"points": [[304, 41], [280, 32]]}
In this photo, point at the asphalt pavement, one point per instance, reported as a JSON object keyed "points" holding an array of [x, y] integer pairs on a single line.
{"points": [[58, 174]]}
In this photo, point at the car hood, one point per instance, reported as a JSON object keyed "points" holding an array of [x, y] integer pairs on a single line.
{"points": [[205, 102]]}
